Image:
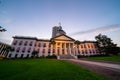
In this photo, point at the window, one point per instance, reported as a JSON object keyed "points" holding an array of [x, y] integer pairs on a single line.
{"points": [[26, 42], [79, 51], [16, 55], [82, 51], [23, 50], [90, 51], [86, 51], [43, 51], [10, 55], [22, 55], [88, 46], [39, 45], [53, 50], [49, 51], [31, 43], [20, 42], [84, 46], [38, 50], [49, 45], [13, 48], [29, 50], [81, 46], [44, 45], [92, 46], [18, 49], [15, 42], [27, 56]]}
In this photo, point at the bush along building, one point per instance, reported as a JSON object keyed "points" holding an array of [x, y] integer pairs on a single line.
{"points": [[60, 45]]}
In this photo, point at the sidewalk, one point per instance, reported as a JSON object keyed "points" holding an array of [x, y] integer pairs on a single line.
{"points": [[109, 70]]}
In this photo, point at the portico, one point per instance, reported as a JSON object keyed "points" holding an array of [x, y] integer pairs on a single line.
{"points": [[63, 45]]}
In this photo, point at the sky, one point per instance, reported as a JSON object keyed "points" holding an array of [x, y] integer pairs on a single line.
{"points": [[81, 19]]}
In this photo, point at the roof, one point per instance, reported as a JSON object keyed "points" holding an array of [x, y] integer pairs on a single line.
{"points": [[63, 35]]}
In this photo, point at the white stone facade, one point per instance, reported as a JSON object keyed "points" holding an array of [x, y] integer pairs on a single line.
{"points": [[23, 47], [64, 45]]}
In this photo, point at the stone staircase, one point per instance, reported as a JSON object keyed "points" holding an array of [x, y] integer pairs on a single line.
{"points": [[68, 56]]}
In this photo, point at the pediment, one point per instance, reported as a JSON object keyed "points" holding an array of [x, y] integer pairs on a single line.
{"points": [[63, 37]]}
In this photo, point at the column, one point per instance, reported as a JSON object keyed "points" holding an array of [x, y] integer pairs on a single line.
{"points": [[69, 48], [65, 48], [61, 49], [56, 48]]}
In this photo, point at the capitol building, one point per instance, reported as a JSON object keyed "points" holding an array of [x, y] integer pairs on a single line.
{"points": [[60, 44]]}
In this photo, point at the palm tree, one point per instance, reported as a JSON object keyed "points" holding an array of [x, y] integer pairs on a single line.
{"points": [[35, 53]]}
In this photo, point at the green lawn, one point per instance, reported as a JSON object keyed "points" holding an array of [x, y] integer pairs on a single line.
{"points": [[44, 69], [107, 58]]}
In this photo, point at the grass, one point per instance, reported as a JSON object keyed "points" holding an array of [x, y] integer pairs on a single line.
{"points": [[44, 69], [106, 58]]}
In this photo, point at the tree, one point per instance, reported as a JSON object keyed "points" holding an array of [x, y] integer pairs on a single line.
{"points": [[8, 49], [2, 29], [77, 42], [35, 53], [106, 45], [52, 42]]}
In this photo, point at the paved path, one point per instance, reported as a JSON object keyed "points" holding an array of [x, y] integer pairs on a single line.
{"points": [[110, 70]]}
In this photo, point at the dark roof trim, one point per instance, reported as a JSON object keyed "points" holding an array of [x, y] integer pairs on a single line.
{"points": [[88, 42], [43, 40], [23, 37]]}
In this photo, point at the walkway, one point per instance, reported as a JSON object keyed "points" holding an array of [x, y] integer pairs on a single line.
{"points": [[110, 70]]}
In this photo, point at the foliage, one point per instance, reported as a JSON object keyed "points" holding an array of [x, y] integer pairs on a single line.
{"points": [[2, 29], [77, 42], [35, 53], [44, 69], [52, 42], [106, 45], [8, 49]]}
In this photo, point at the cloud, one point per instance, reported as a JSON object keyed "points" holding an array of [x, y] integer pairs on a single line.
{"points": [[98, 30]]}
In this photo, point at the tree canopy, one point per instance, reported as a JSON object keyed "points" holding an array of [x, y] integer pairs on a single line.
{"points": [[106, 45], [2, 29]]}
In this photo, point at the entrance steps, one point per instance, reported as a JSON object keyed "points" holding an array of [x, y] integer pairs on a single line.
{"points": [[68, 56]]}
